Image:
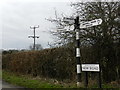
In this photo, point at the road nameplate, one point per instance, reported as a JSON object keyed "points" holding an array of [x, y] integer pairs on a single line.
{"points": [[90, 67]]}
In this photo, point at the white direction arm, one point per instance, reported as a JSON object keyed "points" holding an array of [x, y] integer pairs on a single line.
{"points": [[90, 23]]}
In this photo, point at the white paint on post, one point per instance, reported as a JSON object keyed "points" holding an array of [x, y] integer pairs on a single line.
{"points": [[77, 35], [77, 52], [78, 68]]}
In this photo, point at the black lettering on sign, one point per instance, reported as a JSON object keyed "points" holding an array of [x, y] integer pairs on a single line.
{"points": [[93, 21], [88, 25], [98, 21], [94, 68], [86, 67], [83, 67], [91, 68]]}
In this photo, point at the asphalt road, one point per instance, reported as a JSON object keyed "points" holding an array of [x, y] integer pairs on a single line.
{"points": [[7, 86]]}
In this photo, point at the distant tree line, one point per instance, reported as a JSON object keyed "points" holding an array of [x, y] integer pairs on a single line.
{"points": [[37, 47]]}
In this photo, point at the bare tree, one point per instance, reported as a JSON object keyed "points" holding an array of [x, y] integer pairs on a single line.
{"points": [[37, 47]]}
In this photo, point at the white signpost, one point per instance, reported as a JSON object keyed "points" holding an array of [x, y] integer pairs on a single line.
{"points": [[83, 24], [90, 67], [90, 23], [85, 67]]}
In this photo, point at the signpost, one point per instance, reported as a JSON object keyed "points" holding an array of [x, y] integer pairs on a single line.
{"points": [[90, 23], [83, 24], [83, 67]]}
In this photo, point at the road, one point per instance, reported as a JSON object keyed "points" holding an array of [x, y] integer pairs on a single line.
{"points": [[7, 86]]}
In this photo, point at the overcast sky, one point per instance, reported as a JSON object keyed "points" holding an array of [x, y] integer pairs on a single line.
{"points": [[17, 17]]}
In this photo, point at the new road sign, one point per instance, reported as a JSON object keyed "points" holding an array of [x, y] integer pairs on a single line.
{"points": [[90, 23], [90, 67]]}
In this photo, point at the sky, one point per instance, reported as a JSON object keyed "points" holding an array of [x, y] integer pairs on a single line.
{"points": [[18, 15]]}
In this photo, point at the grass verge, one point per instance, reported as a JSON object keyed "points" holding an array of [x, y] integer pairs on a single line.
{"points": [[31, 82], [28, 82]]}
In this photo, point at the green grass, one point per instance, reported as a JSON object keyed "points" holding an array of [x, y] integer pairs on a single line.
{"points": [[0, 74], [28, 82]]}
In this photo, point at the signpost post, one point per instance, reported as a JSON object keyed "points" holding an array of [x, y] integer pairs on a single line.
{"points": [[86, 79], [78, 51]]}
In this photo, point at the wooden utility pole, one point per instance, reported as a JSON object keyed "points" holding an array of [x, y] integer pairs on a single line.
{"points": [[34, 36]]}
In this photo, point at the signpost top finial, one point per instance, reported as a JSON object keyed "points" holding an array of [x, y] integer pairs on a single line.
{"points": [[77, 21]]}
